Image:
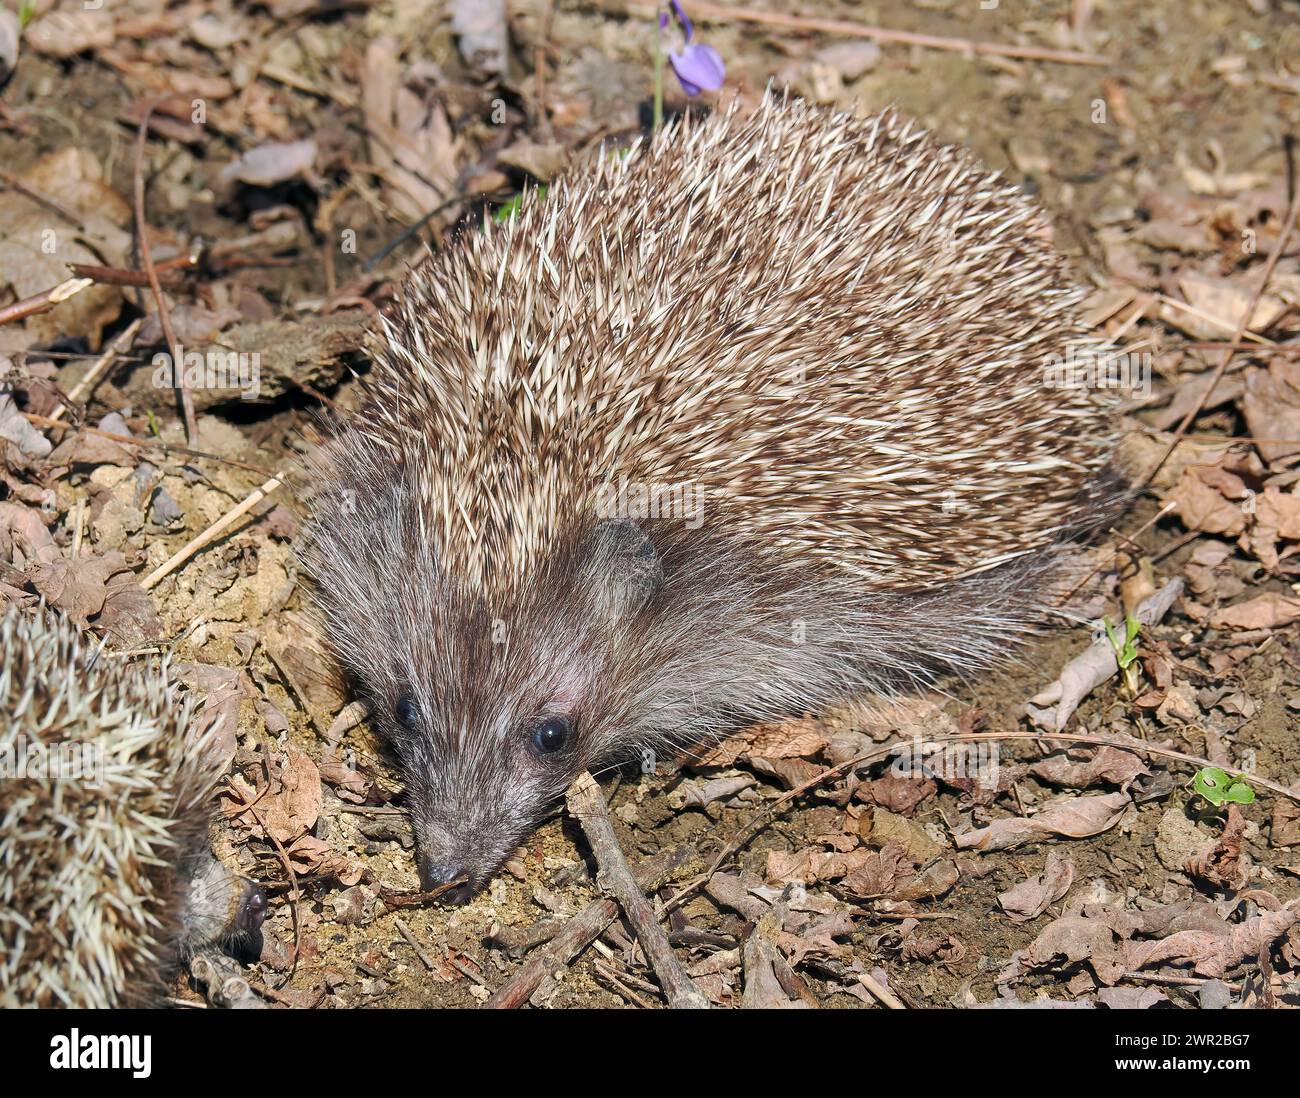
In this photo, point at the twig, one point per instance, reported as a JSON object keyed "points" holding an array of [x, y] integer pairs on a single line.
{"points": [[607, 973], [880, 993], [11, 180], [210, 534], [543, 119], [587, 806], [250, 807], [580, 931], [120, 344], [1165, 510], [408, 232], [462, 967], [170, 273], [1242, 327], [405, 931], [146, 257], [45, 300], [722, 13]]}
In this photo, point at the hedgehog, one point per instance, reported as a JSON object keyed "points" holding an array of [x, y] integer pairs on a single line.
{"points": [[750, 418], [106, 879]]}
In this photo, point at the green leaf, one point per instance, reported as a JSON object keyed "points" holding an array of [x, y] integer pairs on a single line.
{"points": [[25, 12], [505, 212], [1125, 648], [1219, 787]]}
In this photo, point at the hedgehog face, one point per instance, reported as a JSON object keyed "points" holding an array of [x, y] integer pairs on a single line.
{"points": [[494, 710], [483, 768]]}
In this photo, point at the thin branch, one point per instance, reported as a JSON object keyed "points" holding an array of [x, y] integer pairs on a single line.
{"points": [[120, 344], [146, 258], [587, 805], [209, 535], [45, 300]]}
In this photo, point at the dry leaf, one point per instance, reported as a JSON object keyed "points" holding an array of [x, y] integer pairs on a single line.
{"points": [[1030, 898], [1267, 611], [1069, 817]]}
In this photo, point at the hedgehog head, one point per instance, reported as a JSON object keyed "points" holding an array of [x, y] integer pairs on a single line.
{"points": [[493, 704]]}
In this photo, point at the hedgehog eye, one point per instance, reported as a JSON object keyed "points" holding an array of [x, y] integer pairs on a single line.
{"points": [[550, 735], [406, 712]]}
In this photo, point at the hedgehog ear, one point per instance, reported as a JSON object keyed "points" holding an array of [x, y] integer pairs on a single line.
{"points": [[625, 567]]}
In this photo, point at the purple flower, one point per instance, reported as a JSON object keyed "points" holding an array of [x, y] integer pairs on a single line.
{"points": [[698, 67]]}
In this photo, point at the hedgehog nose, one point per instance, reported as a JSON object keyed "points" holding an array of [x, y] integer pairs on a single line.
{"points": [[252, 909], [436, 874]]}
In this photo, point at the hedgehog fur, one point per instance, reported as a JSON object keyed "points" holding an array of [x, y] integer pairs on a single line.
{"points": [[829, 333], [106, 880]]}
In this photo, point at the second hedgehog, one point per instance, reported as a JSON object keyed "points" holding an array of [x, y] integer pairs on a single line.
{"points": [[748, 420]]}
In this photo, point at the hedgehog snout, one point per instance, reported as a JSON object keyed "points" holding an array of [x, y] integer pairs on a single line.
{"points": [[435, 874], [251, 912], [462, 841]]}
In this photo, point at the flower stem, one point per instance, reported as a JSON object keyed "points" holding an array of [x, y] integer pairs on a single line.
{"points": [[659, 78]]}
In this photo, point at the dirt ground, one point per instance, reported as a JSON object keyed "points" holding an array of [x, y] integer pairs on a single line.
{"points": [[291, 147]]}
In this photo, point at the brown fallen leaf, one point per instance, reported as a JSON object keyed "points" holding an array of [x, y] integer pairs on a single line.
{"points": [[274, 162], [74, 179], [410, 136], [782, 740], [1079, 768], [129, 615], [1219, 304], [1068, 817], [769, 980], [1209, 500], [79, 587], [223, 692], [1030, 898], [542, 162], [1271, 408], [14, 427], [289, 810], [1074, 940], [880, 874], [1132, 998], [1225, 864], [1284, 829], [1270, 610], [1213, 954]]}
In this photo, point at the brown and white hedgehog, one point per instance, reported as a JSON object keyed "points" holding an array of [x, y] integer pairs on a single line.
{"points": [[748, 419], [106, 878]]}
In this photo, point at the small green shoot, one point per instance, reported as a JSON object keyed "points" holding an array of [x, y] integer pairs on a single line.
{"points": [[1126, 653], [1220, 788], [507, 210], [25, 12]]}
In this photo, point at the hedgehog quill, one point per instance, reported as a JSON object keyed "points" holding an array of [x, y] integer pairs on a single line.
{"points": [[748, 420], [106, 880]]}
